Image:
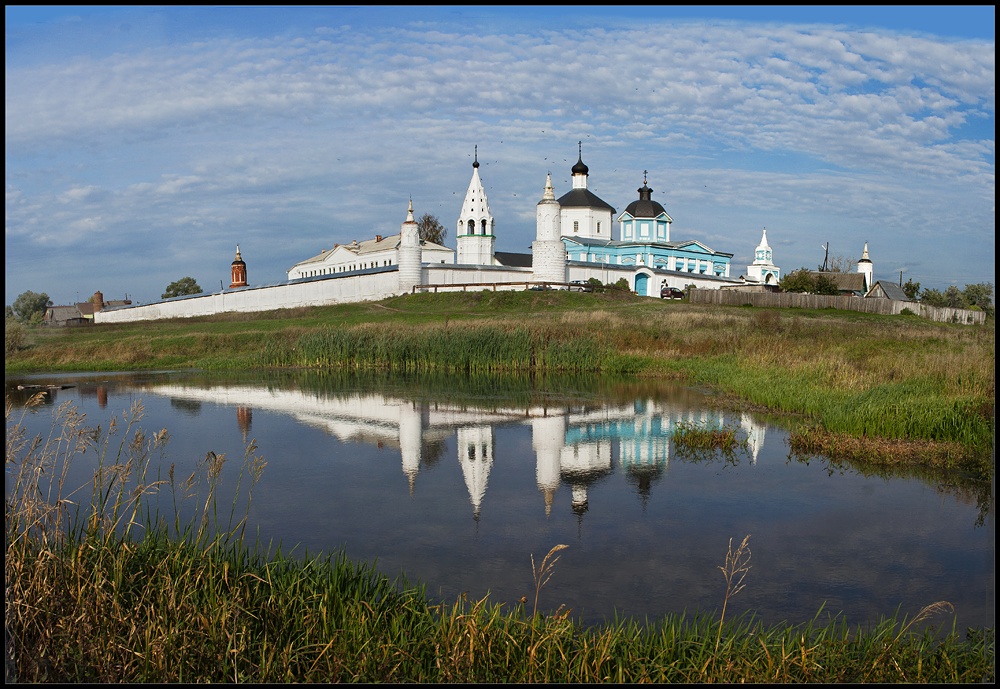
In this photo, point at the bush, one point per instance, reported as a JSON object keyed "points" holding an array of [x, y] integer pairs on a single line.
{"points": [[15, 337]]}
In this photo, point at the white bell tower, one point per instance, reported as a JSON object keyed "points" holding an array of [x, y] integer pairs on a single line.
{"points": [[474, 235]]}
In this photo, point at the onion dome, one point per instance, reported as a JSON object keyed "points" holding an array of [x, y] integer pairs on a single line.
{"points": [[580, 168], [645, 207]]}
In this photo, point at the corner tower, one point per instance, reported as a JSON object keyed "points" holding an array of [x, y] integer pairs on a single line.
{"points": [[408, 253], [474, 235], [548, 253], [239, 271]]}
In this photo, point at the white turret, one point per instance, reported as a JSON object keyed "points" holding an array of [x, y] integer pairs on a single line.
{"points": [[763, 269], [475, 237], [548, 253], [408, 253], [866, 268]]}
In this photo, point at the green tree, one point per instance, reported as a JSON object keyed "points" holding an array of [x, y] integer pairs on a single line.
{"points": [[430, 229], [911, 289], [932, 297], [825, 285], [181, 287], [29, 307], [798, 281], [953, 298], [980, 295]]}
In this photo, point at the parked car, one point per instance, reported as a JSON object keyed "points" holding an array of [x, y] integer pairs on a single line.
{"points": [[671, 293]]}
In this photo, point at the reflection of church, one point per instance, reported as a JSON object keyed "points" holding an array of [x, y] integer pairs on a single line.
{"points": [[574, 447]]}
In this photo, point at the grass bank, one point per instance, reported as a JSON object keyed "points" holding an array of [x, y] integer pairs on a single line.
{"points": [[100, 588], [883, 389]]}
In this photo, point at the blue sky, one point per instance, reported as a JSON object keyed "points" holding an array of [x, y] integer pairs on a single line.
{"points": [[143, 144]]}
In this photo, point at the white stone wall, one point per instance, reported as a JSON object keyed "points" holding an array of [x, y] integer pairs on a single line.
{"points": [[318, 292]]}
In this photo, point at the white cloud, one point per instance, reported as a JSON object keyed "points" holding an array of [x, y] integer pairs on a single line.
{"points": [[321, 136]]}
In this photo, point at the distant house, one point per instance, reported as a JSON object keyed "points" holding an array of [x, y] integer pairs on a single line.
{"points": [[81, 313], [887, 290], [848, 284]]}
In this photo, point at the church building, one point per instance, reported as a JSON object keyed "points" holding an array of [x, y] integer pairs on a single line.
{"points": [[643, 245]]}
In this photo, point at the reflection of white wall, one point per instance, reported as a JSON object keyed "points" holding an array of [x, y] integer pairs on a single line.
{"points": [[586, 458], [475, 454]]}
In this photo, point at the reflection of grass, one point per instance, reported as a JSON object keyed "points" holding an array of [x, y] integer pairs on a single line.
{"points": [[99, 589], [702, 443]]}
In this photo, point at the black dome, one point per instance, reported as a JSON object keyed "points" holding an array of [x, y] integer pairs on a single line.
{"points": [[645, 206]]}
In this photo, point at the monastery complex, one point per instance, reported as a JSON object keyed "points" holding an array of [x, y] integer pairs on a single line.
{"points": [[574, 242]]}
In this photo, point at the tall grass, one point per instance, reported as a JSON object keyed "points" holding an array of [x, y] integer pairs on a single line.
{"points": [[102, 588]]}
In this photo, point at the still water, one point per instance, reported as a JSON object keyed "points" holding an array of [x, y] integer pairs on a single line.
{"points": [[459, 483]]}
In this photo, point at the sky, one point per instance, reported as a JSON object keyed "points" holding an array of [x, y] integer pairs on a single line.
{"points": [[144, 144]]}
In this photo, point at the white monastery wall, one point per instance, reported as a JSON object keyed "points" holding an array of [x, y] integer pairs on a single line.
{"points": [[318, 292]]}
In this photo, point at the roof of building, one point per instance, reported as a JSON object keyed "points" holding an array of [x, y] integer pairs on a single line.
{"points": [[890, 289], [845, 282], [513, 260], [621, 243], [583, 198], [645, 206], [368, 246]]}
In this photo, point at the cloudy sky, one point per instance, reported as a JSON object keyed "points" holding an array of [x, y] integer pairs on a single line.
{"points": [[143, 144]]}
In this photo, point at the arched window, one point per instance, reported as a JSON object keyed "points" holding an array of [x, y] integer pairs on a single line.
{"points": [[472, 227], [484, 226]]}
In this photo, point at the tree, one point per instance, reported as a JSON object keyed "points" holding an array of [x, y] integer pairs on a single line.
{"points": [[797, 281], [953, 298], [980, 295], [841, 264], [181, 287], [431, 230], [29, 307], [932, 297], [825, 285], [911, 289]]}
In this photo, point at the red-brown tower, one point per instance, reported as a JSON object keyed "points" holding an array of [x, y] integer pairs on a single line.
{"points": [[239, 271]]}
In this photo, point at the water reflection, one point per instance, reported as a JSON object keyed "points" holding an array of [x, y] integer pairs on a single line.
{"points": [[459, 481], [572, 443]]}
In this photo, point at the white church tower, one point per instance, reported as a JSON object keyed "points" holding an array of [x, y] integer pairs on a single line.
{"points": [[409, 253], [475, 237], [763, 270], [584, 214], [866, 268], [548, 253]]}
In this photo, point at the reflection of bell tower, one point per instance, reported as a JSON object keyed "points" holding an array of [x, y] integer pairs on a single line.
{"points": [[239, 271], [102, 396], [475, 454], [243, 418]]}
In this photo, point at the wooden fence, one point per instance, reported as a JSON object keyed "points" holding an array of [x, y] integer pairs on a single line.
{"points": [[791, 300]]}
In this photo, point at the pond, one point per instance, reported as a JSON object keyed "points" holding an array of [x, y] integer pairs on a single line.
{"points": [[462, 483]]}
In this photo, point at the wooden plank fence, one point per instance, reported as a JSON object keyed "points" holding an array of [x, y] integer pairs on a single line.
{"points": [[791, 300]]}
